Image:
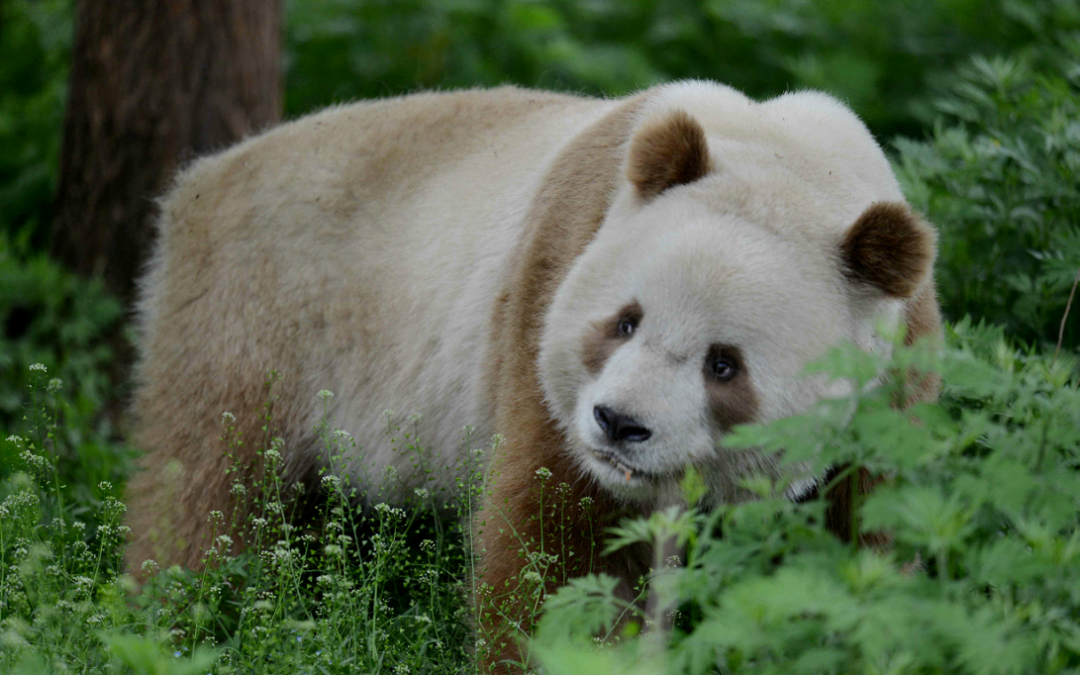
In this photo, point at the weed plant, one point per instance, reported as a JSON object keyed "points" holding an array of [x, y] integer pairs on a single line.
{"points": [[377, 590]]}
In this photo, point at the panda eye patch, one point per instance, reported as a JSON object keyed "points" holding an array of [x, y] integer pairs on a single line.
{"points": [[608, 334], [629, 318], [722, 363]]}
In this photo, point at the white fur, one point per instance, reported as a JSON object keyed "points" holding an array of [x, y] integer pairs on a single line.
{"points": [[745, 257], [391, 292]]}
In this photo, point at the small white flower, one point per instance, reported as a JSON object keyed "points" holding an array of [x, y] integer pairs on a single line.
{"points": [[331, 482], [105, 486], [533, 577], [55, 385], [227, 417], [544, 473], [420, 493], [325, 395], [35, 461], [39, 368], [14, 439]]}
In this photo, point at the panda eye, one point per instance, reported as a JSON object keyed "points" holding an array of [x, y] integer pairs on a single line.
{"points": [[724, 369], [722, 365], [629, 318]]}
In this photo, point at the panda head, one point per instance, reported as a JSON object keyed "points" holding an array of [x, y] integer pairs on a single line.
{"points": [[708, 289]]}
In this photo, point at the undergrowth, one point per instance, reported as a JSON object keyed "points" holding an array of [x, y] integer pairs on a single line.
{"points": [[981, 501], [376, 590]]}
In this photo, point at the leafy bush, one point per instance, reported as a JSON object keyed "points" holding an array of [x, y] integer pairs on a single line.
{"points": [[53, 318], [983, 489], [879, 56], [1001, 185], [35, 43]]}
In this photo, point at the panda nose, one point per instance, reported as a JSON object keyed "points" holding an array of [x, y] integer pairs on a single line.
{"points": [[619, 427]]}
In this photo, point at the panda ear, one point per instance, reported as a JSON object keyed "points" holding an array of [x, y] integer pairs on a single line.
{"points": [[667, 151], [889, 248]]}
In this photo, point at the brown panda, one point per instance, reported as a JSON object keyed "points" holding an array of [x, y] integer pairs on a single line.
{"points": [[610, 285]]}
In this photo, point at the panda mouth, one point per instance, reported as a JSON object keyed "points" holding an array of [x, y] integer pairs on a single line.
{"points": [[619, 465]]}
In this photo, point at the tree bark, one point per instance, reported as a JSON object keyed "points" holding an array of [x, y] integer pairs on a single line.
{"points": [[153, 83]]}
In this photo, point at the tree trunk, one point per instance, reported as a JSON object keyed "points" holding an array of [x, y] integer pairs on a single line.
{"points": [[154, 83]]}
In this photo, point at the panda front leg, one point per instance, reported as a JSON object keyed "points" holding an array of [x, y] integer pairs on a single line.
{"points": [[541, 525]]}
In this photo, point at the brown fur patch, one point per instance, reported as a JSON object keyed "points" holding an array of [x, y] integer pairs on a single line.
{"points": [[731, 402], [668, 151], [889, 248], [604, 338], [565, 215], [923, 318]]}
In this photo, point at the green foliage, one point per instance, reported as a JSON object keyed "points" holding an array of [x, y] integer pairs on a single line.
{"points": [[62, 323], [1001, 186], [35, 41], [982, 489], [878, 56], [377, 591]]}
